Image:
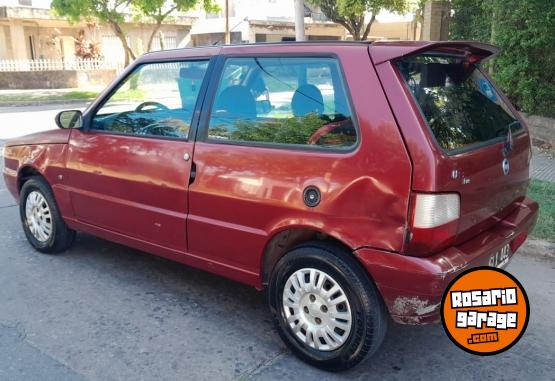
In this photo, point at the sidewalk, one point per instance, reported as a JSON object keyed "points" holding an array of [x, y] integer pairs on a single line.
{"points": [[39, 92], [41, 97], [542, 166]]}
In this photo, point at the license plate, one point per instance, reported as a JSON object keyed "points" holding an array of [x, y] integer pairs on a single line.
{"points": [[501, 257]]}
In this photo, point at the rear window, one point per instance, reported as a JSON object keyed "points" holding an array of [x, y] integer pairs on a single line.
{"points": [[459, 103]]}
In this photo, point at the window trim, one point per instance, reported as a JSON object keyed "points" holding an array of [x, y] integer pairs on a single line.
{"points": [[202, 130], [93, 109], [470, 147]]}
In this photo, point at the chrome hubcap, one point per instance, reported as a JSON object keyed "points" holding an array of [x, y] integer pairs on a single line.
{"points": [[38, 216], [317, 309]]}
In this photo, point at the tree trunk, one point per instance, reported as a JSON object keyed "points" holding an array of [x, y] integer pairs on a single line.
{"points": [[162, 43], [354, 29], [121, 35], [367, 30], [493, 36], [154, 32]]}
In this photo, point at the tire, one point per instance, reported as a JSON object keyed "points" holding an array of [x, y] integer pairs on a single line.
{"points": [[36, 192], [353, 340]]}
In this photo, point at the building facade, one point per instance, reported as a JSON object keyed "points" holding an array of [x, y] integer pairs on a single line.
{"points": [[30, 30]]}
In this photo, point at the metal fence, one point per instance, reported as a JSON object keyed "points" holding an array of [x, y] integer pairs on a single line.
{"points": [[59, 64]]}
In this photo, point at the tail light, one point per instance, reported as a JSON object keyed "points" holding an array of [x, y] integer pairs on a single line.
{"points": [[434, 222], [518, 240]]}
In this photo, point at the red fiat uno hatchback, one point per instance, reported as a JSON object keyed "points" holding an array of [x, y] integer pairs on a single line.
{"points": [[353, 181]]}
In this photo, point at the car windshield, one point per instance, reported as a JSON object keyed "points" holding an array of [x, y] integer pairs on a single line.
{"points": [[460, 104]]}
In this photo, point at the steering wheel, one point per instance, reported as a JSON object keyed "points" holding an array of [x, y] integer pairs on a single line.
{"points": [[157, 107]]}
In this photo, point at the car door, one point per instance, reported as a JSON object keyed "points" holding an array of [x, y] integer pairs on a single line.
{"points": [[128, 170], [278, 126]]}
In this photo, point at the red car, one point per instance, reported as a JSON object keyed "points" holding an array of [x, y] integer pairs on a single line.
{"points": [[353, 181]]}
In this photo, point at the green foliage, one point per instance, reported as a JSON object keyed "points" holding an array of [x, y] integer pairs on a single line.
{"points": [[76, 10], [544, 193], [283, 131], [113, 11], [157, 8], [350, 13], [523, 29], [70, 95], [291, 130], [471, 20]]}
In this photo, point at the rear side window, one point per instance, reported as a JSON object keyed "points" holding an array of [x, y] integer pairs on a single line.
{"points": [[459, 103], [288, 100]]}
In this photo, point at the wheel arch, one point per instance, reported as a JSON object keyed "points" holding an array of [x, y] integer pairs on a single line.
{"points": [[285, 239], [25, 173]]}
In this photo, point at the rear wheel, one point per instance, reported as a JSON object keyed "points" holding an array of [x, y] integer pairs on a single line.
{"points": [[42, 223], [325, 307]]}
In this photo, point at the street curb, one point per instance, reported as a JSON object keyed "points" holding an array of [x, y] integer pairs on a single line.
{"points": [[538, 248], [44, 102]]}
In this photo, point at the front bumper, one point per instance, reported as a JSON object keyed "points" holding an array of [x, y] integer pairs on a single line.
{"points": [[412, 287]]}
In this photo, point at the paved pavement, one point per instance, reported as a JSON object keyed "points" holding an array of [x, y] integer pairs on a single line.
{"points": [[102, 311], [18, 121], [543, 165]]}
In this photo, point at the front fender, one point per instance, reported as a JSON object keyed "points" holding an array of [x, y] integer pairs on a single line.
{"points": [[46, 160]]}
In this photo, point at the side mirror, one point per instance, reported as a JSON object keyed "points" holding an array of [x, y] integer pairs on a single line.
{"points": [[69, 119]]}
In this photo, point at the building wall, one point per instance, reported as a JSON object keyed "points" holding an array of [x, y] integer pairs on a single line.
{"points": [[403, 30], [436, 20], [55, 79], [5, 48], [34, 32], [57, 40], [272, 21]]}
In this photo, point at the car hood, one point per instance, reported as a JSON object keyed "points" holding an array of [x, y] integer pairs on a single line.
{"points": [[57, 136]]}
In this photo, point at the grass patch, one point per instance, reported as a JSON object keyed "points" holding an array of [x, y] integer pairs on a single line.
{"points": [[70, 95], [544, 193], [129, 95], [78, 95]]}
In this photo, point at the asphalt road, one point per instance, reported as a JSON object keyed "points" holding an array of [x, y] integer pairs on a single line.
{"points": [[102, 311], [18, 121]]}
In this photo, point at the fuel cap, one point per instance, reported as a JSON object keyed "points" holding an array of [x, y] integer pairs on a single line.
{"points": [[311, 196]]}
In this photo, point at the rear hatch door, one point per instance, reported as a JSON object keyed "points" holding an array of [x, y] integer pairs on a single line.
{"points": [[479, 146]]}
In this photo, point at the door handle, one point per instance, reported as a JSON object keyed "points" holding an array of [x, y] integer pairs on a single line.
{"points": [[193, 173]]}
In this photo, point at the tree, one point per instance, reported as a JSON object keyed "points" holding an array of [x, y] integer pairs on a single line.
{"points": [[523, 29], [113, 13], [472, 20], [108, 11], [160, 10], [351, 13]]}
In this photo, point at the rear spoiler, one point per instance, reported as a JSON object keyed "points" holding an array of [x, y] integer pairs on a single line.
{"points": [[382, 51]]}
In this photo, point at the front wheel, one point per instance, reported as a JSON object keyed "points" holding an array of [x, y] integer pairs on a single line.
{"points": [[42, 223], [325, 308]]}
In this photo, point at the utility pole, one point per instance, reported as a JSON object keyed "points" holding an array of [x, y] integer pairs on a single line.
{"points": [[227, 34], [299, 20]]}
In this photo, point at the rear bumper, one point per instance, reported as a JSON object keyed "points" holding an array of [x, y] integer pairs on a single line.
{"points": [[412, 287]]}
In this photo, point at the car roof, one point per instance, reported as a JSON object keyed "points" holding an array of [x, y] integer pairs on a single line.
{"points": [[380, 51], [266, 46]]}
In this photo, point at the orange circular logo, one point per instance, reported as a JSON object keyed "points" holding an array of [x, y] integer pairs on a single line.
{"points": [[485, 310]]}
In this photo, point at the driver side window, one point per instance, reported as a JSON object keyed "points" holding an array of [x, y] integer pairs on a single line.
{"points": [[156, 99]]}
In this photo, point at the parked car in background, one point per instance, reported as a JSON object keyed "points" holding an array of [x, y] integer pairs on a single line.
{"points": [[352, 181]]}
